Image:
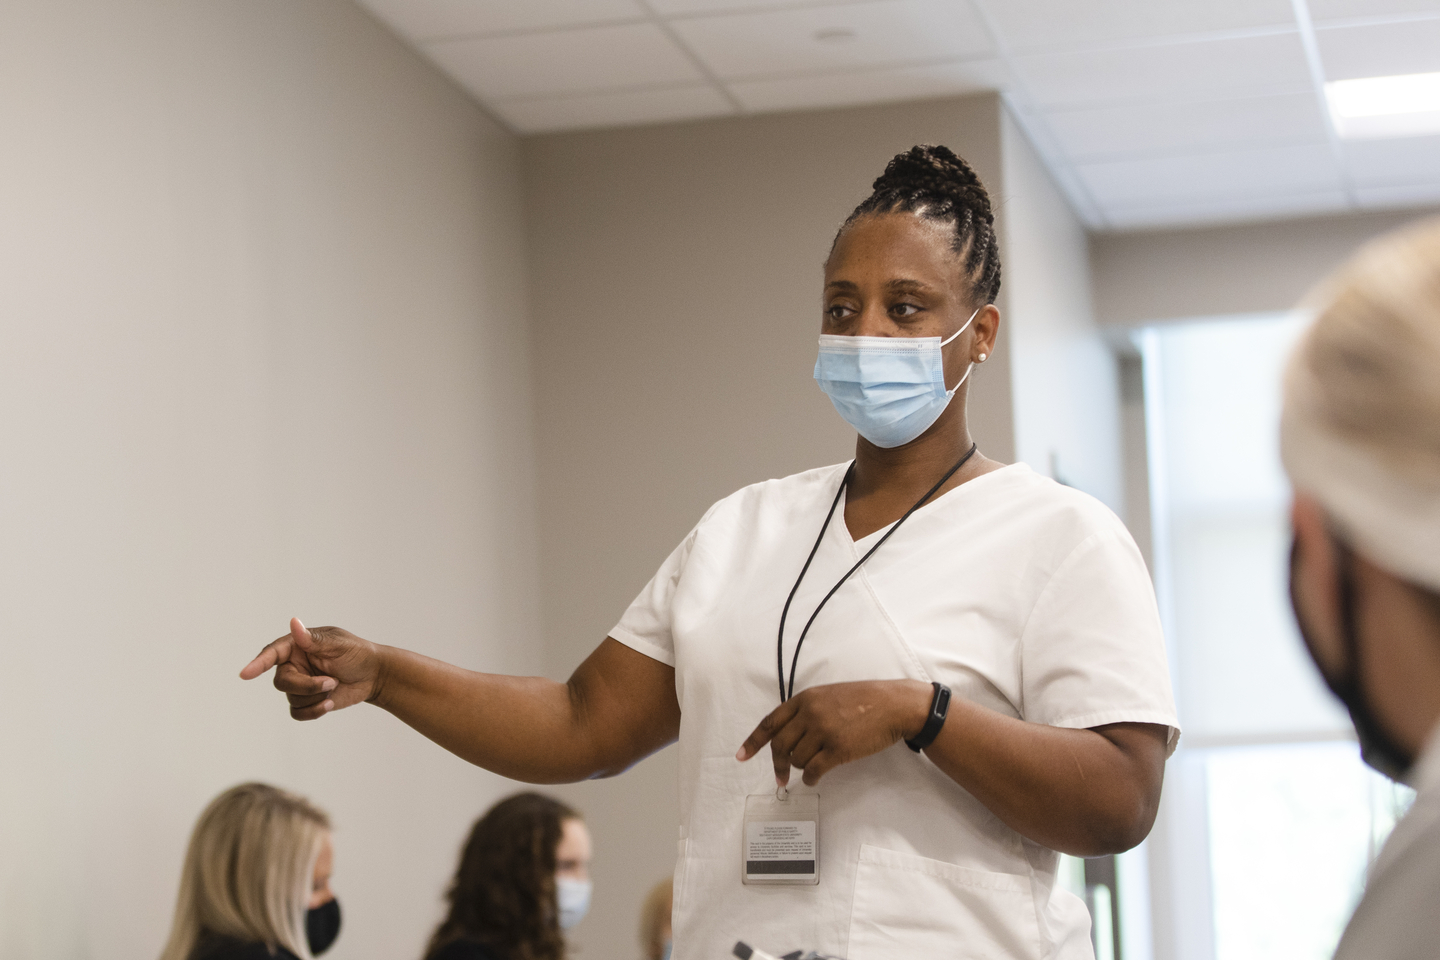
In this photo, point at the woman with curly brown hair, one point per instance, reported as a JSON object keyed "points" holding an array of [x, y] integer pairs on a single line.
{"points": [[524, 877]]}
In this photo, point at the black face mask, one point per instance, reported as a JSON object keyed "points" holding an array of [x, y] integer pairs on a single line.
{"points": [[1377, 747], [322, 926]]}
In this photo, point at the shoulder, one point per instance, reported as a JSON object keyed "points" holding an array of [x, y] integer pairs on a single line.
{"points": [[819, 482], [1028, 505], [1049, 499], [799, 491], [464, 950], [231, 948], [1397, 918]]}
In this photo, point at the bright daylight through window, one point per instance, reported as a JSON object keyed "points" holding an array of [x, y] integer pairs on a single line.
{"points": [[1293, 818]]}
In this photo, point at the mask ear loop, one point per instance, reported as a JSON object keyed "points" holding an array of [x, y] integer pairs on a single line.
{"points": [[951, 391]]}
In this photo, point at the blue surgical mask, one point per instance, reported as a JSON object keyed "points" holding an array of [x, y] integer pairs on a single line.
{"points": [[890, 389], [573, 899]]}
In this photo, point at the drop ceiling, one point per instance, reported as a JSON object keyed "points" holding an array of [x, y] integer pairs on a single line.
{"points": [[1148, 112]]}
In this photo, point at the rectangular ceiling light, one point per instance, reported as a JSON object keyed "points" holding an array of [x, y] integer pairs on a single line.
{"points": [[1375, 107]]}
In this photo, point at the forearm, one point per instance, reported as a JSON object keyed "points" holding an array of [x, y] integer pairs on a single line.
{"points": [[1076, 791], [524, 728], [618, 708]]}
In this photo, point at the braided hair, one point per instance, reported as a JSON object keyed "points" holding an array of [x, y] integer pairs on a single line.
{"points": [[934, 183]]}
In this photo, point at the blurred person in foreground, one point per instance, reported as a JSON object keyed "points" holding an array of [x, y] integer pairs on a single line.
{"points": [[256, 880], [655, 934], [1360, 438], [523, 879]]}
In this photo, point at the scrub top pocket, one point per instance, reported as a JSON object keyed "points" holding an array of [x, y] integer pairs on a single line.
{"points": [[908, 906]]}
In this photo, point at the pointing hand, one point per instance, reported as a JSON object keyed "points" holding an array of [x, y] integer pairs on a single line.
{"points": [[319, 670]]}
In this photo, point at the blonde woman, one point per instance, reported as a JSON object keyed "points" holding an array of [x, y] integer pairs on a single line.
{"points": [[256, 880], [1360, 437]]}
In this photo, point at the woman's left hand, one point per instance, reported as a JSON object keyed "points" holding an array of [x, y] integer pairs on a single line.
{"points": [[822, 727]]}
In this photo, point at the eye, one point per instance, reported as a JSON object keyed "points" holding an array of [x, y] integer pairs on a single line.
{"points": [[905, 309], [838, 312]]}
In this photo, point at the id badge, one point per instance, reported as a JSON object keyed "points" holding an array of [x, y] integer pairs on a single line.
{"points": [[781, 839]]}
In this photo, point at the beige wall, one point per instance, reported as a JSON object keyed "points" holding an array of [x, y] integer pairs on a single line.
{"points": [[676, 289], [264, 353], [1158, 275], [1065, 381]]}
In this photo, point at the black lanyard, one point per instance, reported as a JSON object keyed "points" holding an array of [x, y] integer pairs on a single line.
{"points": [[780, 643]]}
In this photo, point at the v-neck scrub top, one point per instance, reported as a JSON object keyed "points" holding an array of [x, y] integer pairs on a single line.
{"points": [[1022, 595]]}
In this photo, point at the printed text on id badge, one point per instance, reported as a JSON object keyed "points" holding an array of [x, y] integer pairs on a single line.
{"points": [[781, 839]]}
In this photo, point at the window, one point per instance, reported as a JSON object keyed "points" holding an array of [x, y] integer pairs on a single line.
{"points": [[1270, 819], [1292, 830]]}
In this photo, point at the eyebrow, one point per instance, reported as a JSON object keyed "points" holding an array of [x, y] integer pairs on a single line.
{"points": [[907, 286], [896, 286]]}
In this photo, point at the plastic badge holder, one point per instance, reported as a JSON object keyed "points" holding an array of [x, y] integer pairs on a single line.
{"points": [[781, 840]]}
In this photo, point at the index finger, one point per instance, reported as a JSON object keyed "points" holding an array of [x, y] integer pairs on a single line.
{"points": [[761, 735], [276, 652]]}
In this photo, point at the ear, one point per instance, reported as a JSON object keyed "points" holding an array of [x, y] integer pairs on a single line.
{"points": [[1315, 577], [987, 329]]}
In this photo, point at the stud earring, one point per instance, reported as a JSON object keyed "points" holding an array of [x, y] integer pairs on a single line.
{"points": [[982, 357]]}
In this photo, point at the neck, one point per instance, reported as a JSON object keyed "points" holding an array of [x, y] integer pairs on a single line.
{"points": [[918, 464]]}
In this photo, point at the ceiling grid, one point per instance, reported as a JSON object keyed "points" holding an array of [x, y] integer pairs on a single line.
{"points": [[1317, 77], [1147, 113]]}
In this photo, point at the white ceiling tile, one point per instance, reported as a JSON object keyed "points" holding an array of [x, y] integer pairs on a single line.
{"points": [[891, 32], [1210, 69], [668, 8], [1168, 127], [1270, 207], [1198, 178], [1381, 198], [1388, 162], [432, 19], [1030, 24], [569, 61], [1321, 10], [1383, 50], [1175, 113], [613, 109], [869, 86]]}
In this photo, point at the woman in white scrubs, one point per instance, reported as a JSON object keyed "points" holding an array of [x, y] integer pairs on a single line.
{"points": [[961, 658]]}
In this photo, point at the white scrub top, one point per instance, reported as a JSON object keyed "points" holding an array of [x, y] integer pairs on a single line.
{"points": [[1022, 595]]}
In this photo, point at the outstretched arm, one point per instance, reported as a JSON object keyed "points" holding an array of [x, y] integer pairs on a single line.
{"points": [[616, 709]]}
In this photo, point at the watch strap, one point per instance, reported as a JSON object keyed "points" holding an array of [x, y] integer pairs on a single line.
{"points": [[939, 707]]}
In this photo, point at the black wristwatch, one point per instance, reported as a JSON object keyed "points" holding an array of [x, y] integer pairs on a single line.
{"points": [[939, 706]]}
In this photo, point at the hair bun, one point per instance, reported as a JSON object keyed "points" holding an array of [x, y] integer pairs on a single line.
{"points": [[936, 170], [932, 182]]}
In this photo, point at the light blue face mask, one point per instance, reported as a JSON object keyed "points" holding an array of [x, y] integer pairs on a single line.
{"points": [[573, 899], [890, 389]]}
